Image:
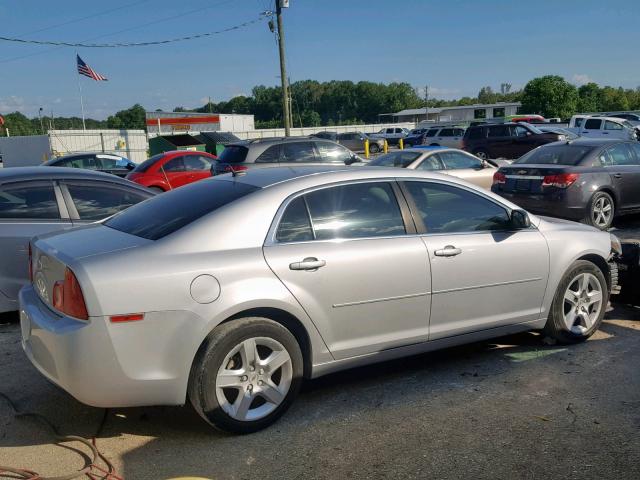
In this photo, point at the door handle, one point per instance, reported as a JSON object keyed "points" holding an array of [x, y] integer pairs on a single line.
{"points": [[617, 175], [448, 251], [309, 263]]}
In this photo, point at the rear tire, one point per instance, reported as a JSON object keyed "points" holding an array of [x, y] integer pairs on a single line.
{"points": [[600, 211], [245, 375], [374, 148], [579, 304], [482, 154]]}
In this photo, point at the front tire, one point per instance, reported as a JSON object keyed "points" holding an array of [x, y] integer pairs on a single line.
{"points": [[374, 148], [579, 304], [245, 375], [600, 211]]}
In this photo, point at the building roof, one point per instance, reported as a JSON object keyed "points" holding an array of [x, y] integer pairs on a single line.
{"points": [[422, 111]]}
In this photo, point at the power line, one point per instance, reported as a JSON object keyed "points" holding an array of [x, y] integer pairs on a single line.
{"points": [[133, 44]]}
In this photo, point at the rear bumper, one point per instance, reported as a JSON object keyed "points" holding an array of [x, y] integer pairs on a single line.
{"points": [[559, 205], [107, 365]]}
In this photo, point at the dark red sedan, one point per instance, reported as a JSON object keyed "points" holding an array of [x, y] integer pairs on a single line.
{"points": [[170, 170]]}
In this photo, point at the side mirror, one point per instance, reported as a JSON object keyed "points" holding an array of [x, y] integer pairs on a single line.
{"points": [[353, 159], [130, 166], [520, 219]]}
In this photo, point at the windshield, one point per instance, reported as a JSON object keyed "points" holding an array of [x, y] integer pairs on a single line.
{"points": [[169, 212], [566, 154], [234, 154]]}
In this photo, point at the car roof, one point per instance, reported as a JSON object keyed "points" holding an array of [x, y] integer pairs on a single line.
{"points": [[44, 172], [262, 141], [590, 142]]}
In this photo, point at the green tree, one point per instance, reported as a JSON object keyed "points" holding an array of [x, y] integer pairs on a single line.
{"points": [[551, 96], [613, 99], [18, 124], [131, 118], [589, 98]]}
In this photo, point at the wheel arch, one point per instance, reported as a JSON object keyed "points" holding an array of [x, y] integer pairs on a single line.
{"points": [[288, 321], [601, 263], [611, 192]]}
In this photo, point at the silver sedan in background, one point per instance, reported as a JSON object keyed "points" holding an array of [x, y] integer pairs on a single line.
{"points": [[444, 160], [240, 286]]}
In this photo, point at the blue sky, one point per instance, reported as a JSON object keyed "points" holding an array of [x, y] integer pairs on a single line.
{"points": [[455, 46]]}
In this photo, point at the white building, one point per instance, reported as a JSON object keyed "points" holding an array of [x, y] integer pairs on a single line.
{"points": [[463, 113], [171, 123]]}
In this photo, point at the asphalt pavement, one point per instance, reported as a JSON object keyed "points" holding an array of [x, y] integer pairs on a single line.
{"points": [[512, 408]]}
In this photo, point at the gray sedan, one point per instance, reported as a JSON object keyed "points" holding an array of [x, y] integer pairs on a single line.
{"points": [[444, 160], [247, 284], [38, 200]]}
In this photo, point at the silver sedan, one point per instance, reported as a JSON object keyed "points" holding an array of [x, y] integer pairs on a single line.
{"points": [[451, 161], [229, 292]]}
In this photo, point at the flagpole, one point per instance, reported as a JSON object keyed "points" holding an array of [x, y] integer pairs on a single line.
{"points": [[81, 101]]}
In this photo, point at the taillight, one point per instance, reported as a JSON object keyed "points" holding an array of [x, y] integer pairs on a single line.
{"points": [[30, 264], [499, 178], [68, 298], [237, 168], [561, 180]]}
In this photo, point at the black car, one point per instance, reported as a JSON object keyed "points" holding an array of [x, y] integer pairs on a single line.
{"points": [[100, 162], [589, 180], [506, 140], [414, 137]]}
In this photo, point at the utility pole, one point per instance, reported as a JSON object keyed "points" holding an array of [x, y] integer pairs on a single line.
{"points": [[40, 117], [426, 102], [283, 71]]}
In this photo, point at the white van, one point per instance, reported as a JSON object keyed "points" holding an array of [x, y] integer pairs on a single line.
{"points": [[602, 127]]}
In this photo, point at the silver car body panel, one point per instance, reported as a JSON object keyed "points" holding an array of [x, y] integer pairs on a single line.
{"points": [[368, 303]]}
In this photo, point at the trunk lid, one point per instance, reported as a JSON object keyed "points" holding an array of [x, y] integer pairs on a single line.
{"points": [[528, 178]]}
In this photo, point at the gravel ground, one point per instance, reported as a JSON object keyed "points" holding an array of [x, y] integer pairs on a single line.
{"points": [[508, 408]]}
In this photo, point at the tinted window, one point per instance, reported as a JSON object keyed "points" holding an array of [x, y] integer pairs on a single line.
{"points": [[144, 166], [592, 124], [609, 125], [578, 122], [196, 163], [28, 200], [233, 154], [556, 155], [432, 162], [294, 224], [355, 211], [635, 147], [458, 132], [520, 131], [112, 163], [499, 131], [446, 209], [330, 152], [270, 155], [298, 152], [96, 201], [621, 155], [169, 212], [78, 162], [174, 165], [432, 132], [455, 160], [474, 133], [446, 132], [395, 159]]}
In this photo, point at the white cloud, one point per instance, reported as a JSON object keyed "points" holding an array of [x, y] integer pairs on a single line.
{"points": [[12, 103], [581, 79]]}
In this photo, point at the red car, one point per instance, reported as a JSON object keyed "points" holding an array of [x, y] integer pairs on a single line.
{"points": [[170, 170]]}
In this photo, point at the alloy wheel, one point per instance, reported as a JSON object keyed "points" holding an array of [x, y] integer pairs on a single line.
{"points": [[601, 212], [254, 379], [583, 302]]}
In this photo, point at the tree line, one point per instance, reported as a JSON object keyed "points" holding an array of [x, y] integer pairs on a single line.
{"points": [[343, 102]]}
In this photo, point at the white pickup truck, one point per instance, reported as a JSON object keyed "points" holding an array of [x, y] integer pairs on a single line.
{"points": [[589, 126]]}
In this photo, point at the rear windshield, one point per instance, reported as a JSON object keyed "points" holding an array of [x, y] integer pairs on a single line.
{"points": [[556, 155], [144, 166], [169, 212], [233, 154]]}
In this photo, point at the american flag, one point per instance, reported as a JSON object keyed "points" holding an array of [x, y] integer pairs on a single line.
{"points": [[87, 71]]}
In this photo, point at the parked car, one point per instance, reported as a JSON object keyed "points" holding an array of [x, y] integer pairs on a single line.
{"points": [[354, 141], [602, 127], [632, 118], [590, 180], [508, 140], [247, 284], [272, 152], [444, 136], [39, 200], [169, 170], [568, 134], [414, 137], [450, 161], [392, 134], [100, 162]]}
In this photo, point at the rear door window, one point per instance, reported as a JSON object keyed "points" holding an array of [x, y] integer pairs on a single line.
{"points": [[446, 132], [621, 155], [196, 163], [432, 132], [298, 152], [431, 163], [592, 124], [28, 200], [457, 161], [295, 225], [499, 131], [358, 210], [174, 165], [609, 125], [475, 133], [95, 201]]}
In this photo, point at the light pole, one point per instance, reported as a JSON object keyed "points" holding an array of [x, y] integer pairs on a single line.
{"points": [[40, 117], [283, 71]]}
